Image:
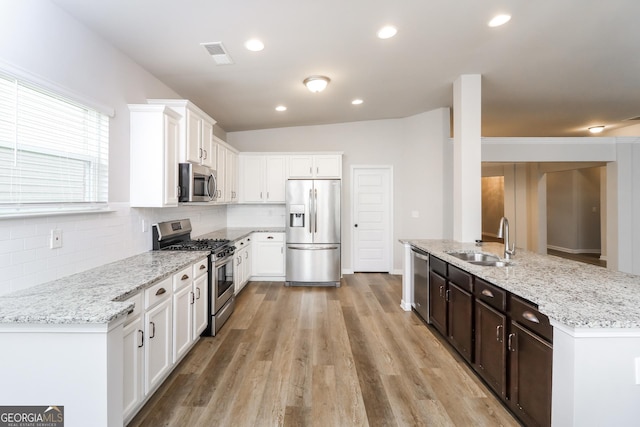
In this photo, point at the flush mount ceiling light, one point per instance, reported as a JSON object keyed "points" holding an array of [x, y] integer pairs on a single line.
{"points": [[316, 83], [357, 101], [254, 45], [387, 32], [281, 108], [499, 20], [596, 129]]}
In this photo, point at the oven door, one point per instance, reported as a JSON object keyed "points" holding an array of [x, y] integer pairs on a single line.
{"points": [[223, 283]]}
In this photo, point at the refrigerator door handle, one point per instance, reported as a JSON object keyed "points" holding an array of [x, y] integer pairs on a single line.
{"points": [[310, 208], [307, 248], [315, 209]]}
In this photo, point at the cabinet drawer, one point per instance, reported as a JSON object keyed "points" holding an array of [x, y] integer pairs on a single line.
{"points": [[182, 278], [438, 266], [268, 237], [137, 308], [200, 268], [492, 295], [242, 243], [528, 316], [158, 292], [460, 278]]}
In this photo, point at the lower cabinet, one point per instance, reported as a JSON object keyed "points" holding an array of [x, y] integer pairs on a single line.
{"points": [[268, 255], [506, 340], [167, 319], [242, 268]]}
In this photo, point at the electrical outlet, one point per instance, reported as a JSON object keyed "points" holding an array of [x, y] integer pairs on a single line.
{"points": [[56, 239], [145, 226]]}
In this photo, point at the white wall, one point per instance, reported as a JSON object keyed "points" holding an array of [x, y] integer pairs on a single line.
{"points": [[414, 146], [41, 39]]}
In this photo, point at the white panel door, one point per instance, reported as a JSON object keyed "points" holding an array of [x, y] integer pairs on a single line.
{"points": [[371, 220]]}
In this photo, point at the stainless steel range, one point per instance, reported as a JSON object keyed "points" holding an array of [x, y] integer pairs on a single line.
{"points": [[176, 236]]}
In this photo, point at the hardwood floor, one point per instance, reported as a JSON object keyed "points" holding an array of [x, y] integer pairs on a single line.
{"points": [[348, 356]]}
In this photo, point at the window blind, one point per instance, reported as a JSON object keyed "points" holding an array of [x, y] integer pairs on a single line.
{"points": [[53, 151]]}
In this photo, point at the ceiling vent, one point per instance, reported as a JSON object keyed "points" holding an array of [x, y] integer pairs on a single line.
{"points": [[218, 53]]}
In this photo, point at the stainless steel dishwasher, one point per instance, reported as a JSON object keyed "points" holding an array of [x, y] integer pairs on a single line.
{"points": [[421, 283]]}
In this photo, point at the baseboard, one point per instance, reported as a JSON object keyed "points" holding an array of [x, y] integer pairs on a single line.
{"points": [[573, 251]]}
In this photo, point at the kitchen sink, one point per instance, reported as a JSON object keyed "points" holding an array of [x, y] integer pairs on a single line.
{"points": [[474, 256], [479, 258]]}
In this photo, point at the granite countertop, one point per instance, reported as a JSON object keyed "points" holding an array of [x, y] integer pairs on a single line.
{"points": [[574, 294], [94, 296], [235, 234]]}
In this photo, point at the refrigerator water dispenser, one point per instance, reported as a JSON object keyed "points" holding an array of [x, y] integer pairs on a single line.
{"points": [[296, 216]]}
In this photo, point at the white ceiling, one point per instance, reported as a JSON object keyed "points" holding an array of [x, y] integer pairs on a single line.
{"points": [[558, 67]]}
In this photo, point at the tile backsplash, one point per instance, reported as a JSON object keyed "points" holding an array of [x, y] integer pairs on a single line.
{"points": [[88, 240]]}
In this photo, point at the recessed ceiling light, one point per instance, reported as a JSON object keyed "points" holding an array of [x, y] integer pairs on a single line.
{"points": [[499, 20], [387, 32], [357, 101], [596, 129], [281, 108], [254, 45]]}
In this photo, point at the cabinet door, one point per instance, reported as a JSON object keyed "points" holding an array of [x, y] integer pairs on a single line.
{"points": [[276, 178], [246, 265], [221, 174], [460, 313], [231, 177], [300, 166], [171, 134], [327, 166], [269, 259], [182, 321], [157, 345], [237, 271], [200, 318], [194, 137], [490, 359], [132, 392], [208, 146], [531, 360], [437, 302], [252, 177]]}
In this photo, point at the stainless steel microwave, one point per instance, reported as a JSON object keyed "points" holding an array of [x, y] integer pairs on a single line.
{"points": [[197, 183]]}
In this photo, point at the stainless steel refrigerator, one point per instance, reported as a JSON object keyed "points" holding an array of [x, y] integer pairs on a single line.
{"points": [[313, 232]]}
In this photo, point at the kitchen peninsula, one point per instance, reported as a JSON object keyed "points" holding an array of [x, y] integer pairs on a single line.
{"points": [[595, 315]]}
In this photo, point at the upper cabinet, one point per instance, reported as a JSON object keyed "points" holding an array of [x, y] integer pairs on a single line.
{"points": [[262, 178], [196, 144], [154, 135], [315, 166]]}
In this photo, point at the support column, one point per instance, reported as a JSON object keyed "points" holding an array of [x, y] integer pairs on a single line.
{"points": [[467, 158]]}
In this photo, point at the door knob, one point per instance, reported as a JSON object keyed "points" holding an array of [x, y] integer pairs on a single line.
{"points": [[356, 225]]}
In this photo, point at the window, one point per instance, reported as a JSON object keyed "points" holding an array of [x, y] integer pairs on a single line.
{"points": [[53, 151]]}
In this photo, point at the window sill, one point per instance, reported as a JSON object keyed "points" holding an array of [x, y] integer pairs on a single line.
{"points": [[13, 213]]}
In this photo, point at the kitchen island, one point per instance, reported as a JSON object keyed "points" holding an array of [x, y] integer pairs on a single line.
{"points": [[595, 314], [62, 342]]}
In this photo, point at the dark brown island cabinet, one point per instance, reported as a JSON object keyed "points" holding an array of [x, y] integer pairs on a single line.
{"points": [[505, 339]]}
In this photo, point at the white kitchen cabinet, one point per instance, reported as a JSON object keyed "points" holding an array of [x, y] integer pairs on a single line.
{"points": [[196, 130], [242, 264], [157, 334], [201, 294], [315, 166], [262, 178], [183, 300], [231, 176], [133, 359], [268, 255], [220, 173], [154, 135]]}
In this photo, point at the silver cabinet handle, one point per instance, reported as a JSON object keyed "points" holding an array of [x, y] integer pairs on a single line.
{"points": [[246, 255], [205, 153], [527, 315], [447, 295], [499, 333], [510, 341], [141, 338], [441, 289], [200, 152], [487, 293], [197, 293], [310, 170], [270, 237], [193, 297], [153, 329]]}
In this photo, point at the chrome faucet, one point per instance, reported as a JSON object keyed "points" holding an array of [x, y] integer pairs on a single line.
{"points": [[504, 227]]}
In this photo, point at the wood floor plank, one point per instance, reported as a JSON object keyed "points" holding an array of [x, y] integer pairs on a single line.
{"points": [[325, 356]]}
